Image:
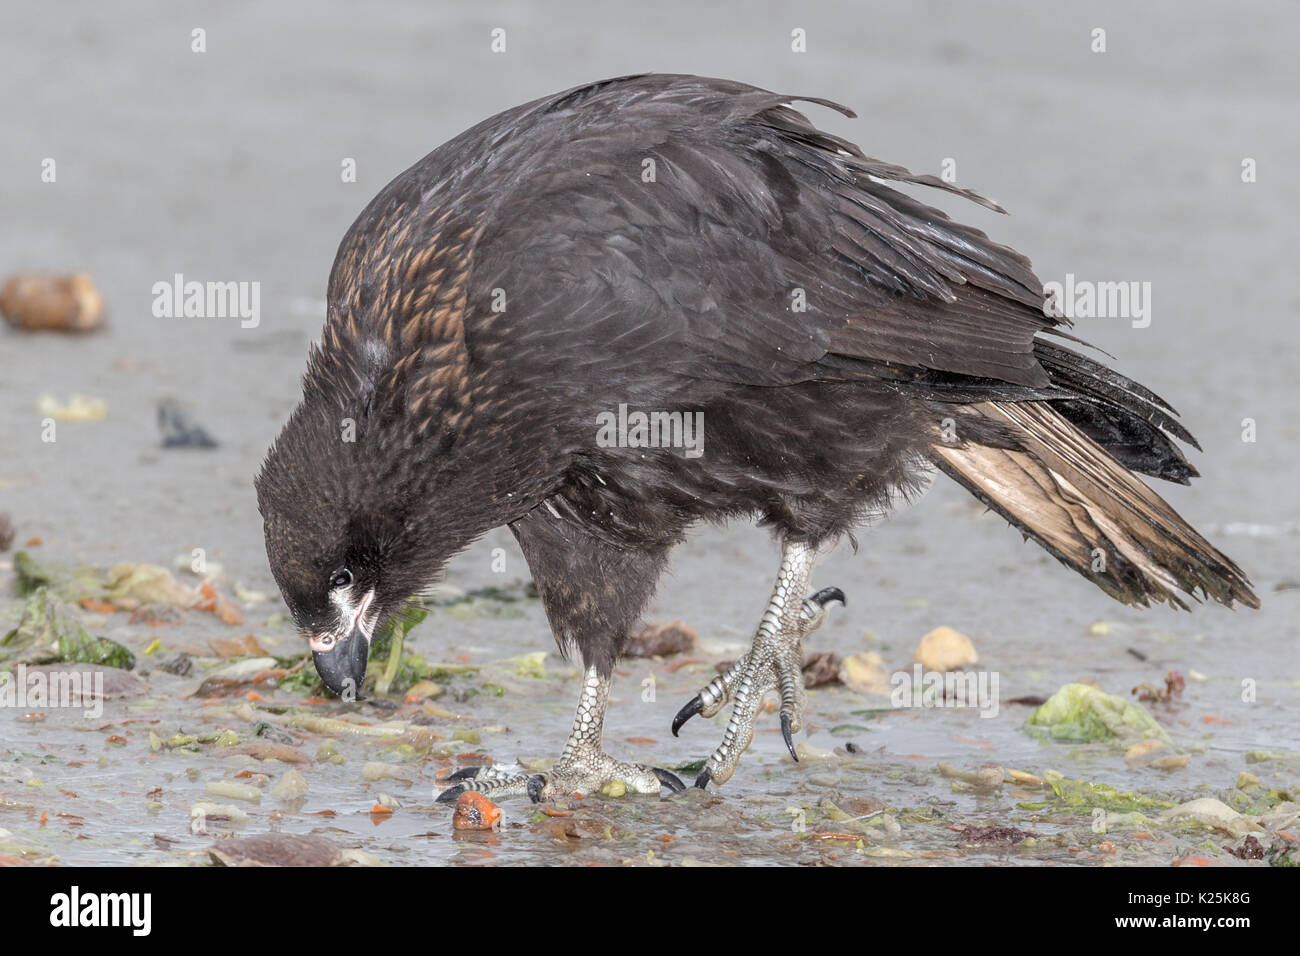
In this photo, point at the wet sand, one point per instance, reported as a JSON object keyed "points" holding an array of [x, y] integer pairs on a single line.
{"points": [[225, 166]]}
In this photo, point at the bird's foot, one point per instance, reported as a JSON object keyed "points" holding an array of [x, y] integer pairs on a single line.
{"points": [[583, 767], [774, 662], [584, 771]]}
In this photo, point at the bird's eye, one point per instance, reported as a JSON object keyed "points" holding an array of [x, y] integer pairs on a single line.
{"points": [[341, 579]]}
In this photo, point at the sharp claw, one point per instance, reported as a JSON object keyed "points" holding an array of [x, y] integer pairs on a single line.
{"points": [[465, 773], [826, 595], [451, 794], [536, 783], [693, 707], [789, 740], [702, 781], [669, 779]]}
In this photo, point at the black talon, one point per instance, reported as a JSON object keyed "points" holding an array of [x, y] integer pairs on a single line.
{"points": [[702, 781], [451, 794], [535, 784], [669, 779], [465, 773], [693, 707], [826, 595], [789, 740]]}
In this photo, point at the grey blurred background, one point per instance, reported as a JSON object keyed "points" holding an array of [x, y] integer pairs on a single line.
{"points": [[225, 165]]}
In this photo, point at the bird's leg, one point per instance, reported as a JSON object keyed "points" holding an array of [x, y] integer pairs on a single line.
{"points": [[717, 692], [774, 662], [583, 767]]}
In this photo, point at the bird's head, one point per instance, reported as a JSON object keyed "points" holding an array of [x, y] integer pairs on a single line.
{"points": [[347, 542], [365, 495], [341, 581]]}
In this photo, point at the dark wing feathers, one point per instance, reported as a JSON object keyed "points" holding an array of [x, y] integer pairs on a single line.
{"points": [[696, 272], [980, 334], [886, 278], [754, 212], [954, 300]]}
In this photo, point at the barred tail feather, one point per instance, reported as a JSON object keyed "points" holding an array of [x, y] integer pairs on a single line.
{"points": [[1059, 487]]}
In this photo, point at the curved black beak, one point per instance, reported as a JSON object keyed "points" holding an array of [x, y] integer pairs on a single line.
{"points": [[343, 667]]}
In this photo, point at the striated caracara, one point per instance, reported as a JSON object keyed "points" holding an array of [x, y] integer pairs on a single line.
{"points": [[689, 247]]}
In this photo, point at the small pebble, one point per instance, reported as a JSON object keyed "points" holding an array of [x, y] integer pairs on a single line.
{"points": [[291, 786], [945, 649], [58, 303], [234, 791]]}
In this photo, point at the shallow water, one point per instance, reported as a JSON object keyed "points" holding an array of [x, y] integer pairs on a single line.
{"points": [[225, 165]]}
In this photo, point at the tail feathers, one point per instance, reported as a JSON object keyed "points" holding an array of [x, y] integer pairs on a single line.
{"points": [[1129, 420], [1061, 488]]}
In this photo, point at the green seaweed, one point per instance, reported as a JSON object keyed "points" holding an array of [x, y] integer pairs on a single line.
{"points": [[305, 681], [68, 583], [1081, 793], [443, 670], [31, 575], [1083, 713], [1264, 756], [50, 630], [402, 622], [85, 648], [529, 665], [1283, 856], [389, 642]]}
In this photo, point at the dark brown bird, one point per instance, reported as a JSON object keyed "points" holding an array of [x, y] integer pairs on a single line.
{"points": [[804, 342]]}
